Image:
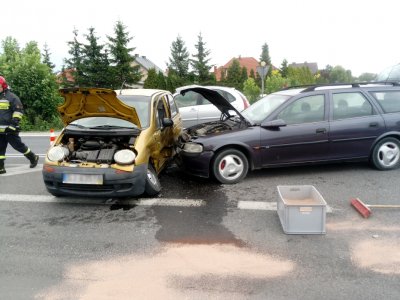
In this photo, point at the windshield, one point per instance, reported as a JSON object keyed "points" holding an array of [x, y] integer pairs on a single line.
{"points": [[391, 73], [261, 109], [141, 105], [102, 122]]}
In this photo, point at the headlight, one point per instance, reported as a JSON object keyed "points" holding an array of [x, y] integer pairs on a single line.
{"points": [[57, 153], [193, 148], [124, 157]]}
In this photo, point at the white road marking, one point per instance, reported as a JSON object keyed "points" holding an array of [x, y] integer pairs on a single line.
{"points": [[21, 169], [111, 201], [261, 205]]}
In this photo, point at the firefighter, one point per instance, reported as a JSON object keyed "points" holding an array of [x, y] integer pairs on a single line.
{"points": [[11, 112]]}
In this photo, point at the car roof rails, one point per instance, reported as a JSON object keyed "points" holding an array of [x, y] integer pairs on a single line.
{"points": [[353, 85]]}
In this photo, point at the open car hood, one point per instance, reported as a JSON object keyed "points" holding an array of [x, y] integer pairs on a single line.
{"points": [[94, 102], [215, 98]]}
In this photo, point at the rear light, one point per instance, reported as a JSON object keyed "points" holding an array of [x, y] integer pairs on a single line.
{"points": [[246, 103], [48, 169]]}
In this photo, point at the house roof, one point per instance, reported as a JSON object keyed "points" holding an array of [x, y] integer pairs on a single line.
{"points": [[249, 62], [146, 63], [312, 66]]}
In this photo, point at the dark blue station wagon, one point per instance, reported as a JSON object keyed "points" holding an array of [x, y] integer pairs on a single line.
{"points": [[297, 126]]}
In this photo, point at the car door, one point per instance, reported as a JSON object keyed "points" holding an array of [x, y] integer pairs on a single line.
{"points": [[162, 138], [188, 108], [354, 125], [305, 136]]}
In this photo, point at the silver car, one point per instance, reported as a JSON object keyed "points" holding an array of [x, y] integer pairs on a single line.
{"points": [[195, 109]]}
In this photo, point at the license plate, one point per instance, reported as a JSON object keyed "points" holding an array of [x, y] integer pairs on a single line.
{"points": [[83, 178]]}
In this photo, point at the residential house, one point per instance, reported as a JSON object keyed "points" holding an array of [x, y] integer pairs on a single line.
{"points": [[312, 66], [249, 62], [145, 65]]}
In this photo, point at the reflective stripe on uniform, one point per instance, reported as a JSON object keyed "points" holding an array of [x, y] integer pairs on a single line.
{"points": [[2, 157], [4, 104], [27, 151], [17, 114], [3, 128]]}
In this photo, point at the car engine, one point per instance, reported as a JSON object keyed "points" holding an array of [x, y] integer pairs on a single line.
{"points": [[99, 150]]}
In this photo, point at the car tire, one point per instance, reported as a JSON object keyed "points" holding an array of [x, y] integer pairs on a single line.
{"points": [[230, 166], [152, 186], [386, 154]]}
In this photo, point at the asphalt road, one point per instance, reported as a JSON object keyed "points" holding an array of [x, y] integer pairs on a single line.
{"points": [[198, 239]]}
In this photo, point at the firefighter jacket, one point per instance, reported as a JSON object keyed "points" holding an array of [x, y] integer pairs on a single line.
{"points": [[11, 110]]}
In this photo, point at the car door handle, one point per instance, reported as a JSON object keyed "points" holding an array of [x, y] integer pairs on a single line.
{"points": [[320, 130], [373, 124]]}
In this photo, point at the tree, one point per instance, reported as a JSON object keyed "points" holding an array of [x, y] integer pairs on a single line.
{"points": [[121, 60], [367, 77], [73, 65], [46, 57], [151, 80], [179, 60], [200, 65], [161, 84], [251, 90], [340, 75], [244, 74], [300, 76], [34, 83], [275, 82], [95, 65], [234, 76], [265, 54], [266, 58], [284, 68]]}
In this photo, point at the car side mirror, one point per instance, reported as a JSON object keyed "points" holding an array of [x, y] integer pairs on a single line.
{"points": [[167, 122], [274, 124]]}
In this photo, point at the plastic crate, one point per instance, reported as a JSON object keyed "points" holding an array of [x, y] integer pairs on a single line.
{"points": [[301, 209]]}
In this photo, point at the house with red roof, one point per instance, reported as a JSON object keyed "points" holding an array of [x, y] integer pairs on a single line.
{"points": [[249, 62]]}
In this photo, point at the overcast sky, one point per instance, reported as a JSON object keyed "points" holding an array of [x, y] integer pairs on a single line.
{"points": [[362, 36]]}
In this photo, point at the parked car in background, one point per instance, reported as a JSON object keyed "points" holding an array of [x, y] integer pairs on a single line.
{"points": [[196, 109], [114, 144], [299, 126]]}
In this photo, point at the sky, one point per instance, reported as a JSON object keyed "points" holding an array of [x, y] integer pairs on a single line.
{"points": [[361, 36]]}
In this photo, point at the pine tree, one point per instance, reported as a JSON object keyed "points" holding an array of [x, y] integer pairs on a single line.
{"points": [[200, 65], [73, 65], [121, 59], [234, 76], [179, 60], [284, 68], [161, 84], [151, 80], [265, 54], [46, 57], [95, 65]]}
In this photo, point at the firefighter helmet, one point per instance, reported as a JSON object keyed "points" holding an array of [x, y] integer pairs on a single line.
{"points": [[3, 83]]}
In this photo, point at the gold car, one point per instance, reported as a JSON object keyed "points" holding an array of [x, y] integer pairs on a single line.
{"points": [[114, 143]]}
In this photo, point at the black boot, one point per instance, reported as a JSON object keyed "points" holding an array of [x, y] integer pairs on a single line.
{"points": [[33, 158], [2, 169]]}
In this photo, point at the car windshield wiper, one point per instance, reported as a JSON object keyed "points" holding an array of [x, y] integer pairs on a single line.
{"points": [[111, 127], [76, 125]]}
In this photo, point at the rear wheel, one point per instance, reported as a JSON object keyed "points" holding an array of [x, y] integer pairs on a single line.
{"points": [[386, 154], [230, 166], [153, 186]]}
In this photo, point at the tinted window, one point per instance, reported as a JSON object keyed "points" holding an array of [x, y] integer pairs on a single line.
{"points": [[305, 110], [226, 95], [389, 101], [350, 105]]}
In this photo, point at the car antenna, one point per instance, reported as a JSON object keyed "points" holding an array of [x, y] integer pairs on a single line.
{"points": [[122, 86]]}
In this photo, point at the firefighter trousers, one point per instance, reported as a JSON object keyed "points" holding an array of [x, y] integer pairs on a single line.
{"points": [[15, 141]]}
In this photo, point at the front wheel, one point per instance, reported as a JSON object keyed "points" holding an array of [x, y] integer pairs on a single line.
{"points": [[153, 186], [230, 166], [386, 154]]}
